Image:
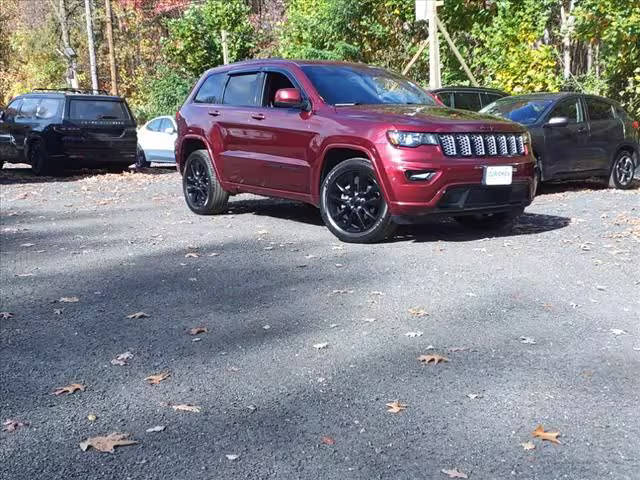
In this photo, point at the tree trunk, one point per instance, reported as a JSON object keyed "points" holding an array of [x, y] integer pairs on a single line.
{"points": [[112, 53], [566, 27], [590, 56], [92, 49], [67, 52]]}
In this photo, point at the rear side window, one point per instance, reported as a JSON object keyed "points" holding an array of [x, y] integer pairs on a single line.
{"points": [[488, 98], [445, 97], [49, 108], [467, 101], [569, 109], [599, 110], [28, 109], [622, 115], [211, 89], [241, 90], [166, 123], [95, 110]]}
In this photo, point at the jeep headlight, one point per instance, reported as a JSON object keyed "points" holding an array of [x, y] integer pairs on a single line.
{"points": [[399, 138]]}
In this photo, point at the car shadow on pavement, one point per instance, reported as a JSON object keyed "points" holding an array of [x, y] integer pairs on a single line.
{"points": [[579, 185], [22, 174], [277, 208]]}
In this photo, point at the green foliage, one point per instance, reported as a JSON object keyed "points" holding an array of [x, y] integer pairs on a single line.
{"points": [[162, 95], [194, 42]]}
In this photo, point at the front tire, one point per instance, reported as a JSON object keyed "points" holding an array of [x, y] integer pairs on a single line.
{"points": [[39, 159], [202, 190], [623, 170], [352, 205], [141, 159], [490, 221]]}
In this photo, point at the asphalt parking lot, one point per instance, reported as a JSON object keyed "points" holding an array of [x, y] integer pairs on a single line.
{"points": [[308, 339]]}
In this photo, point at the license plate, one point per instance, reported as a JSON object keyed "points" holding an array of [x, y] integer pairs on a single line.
{"points": [[497, 175]]}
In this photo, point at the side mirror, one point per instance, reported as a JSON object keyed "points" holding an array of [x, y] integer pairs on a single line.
{"points": [[169, 130], [288, 98], [557, 122]]}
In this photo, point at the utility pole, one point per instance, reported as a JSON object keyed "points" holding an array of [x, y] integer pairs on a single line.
{"points": [[112, 53], [225, 47], [92, 49], [434, 44]]}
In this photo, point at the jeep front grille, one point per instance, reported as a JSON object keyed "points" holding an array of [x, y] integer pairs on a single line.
{"points": [[482, 144]]}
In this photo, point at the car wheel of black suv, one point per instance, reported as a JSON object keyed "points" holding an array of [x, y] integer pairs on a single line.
{"points": [[491, 221], [622, 170], [202, 190], [141, 159], [352, 205], [39, 159]]}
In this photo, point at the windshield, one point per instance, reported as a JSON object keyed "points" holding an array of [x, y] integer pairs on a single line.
{"points": [[524, 111], [81, 109], [341, 85]]}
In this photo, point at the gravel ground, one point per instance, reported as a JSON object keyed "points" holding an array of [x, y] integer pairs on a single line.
{"points": [[269, 282]]}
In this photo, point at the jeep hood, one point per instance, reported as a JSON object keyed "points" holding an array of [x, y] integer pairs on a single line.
{"points": [[436, 118]]}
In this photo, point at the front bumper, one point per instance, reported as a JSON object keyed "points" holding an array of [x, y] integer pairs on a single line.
{"points": [[456, 186]]}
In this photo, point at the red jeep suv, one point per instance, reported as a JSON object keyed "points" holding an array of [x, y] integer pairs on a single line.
{"points": [[371, 149]]}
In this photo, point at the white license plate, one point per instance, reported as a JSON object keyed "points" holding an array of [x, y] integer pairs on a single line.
{"points": [[498, 175]]}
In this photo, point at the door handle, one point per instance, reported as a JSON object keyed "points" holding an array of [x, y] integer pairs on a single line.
{"points": [[257, 116], [214, 113]]}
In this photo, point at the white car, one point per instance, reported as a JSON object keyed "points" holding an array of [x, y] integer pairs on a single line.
{"points": [[156, 142]]}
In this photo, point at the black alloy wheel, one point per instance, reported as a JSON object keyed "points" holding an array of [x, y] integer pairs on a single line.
{"points": [[622, 171], [202, 191], [352, 205], [197, 182]]}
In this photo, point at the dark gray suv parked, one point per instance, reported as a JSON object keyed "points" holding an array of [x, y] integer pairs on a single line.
{"points": [[575, 135]]}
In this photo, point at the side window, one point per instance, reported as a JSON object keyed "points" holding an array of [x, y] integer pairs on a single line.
{"points": [[49, 108], [622, 115], [12, 110], [274, 82], [599, 110], [488, 98], [241, 90], [569, 109], [445, 97], [28, 109], [467, 101], [166, 123], [155, 125], [211, 89]]}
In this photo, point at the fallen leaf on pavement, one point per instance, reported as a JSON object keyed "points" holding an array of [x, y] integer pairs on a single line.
{"points": [[413, 334], [92, 417], [6, 315], [454, 473], [320, 346], [395, 407], [122, 359], [473, 396], [158, 377], [548, 436], [157, 428], [191, 255], [69, 389], [69, 300], [108, 442], [340, 292], [435, 359], [527, 340], [528, 445], [328, 440], [618, 331], [232, 456], [10, 425], [57, 311], [184, 407], [418, 312], [138, 315], [197, 330]]}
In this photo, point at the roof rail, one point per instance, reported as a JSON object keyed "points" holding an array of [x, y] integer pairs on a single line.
{"points": [[73, 90]]}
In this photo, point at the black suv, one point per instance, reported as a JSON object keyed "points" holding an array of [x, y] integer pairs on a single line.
{"points": [[468, 98], [54, 129]]}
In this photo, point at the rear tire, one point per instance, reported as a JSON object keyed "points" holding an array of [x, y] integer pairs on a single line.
{"points": [[202, 190], [39, 160], [491, 221], [352, 205], [141, 159], [623, 170]]}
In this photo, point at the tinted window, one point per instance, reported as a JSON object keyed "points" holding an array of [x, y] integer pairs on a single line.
{"points": [[347, 85], [274, 82], [241, 90], [621, 114], [467, 101], [445, 97], [49, 108], [12, 110], [569, 109], [521, 110], [29, 107], [488, 98], [599, 110], [211, 89], [154, 125], [97, 110]]}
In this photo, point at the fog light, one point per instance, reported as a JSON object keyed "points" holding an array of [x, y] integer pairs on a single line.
{"points": [[419, 175]]}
